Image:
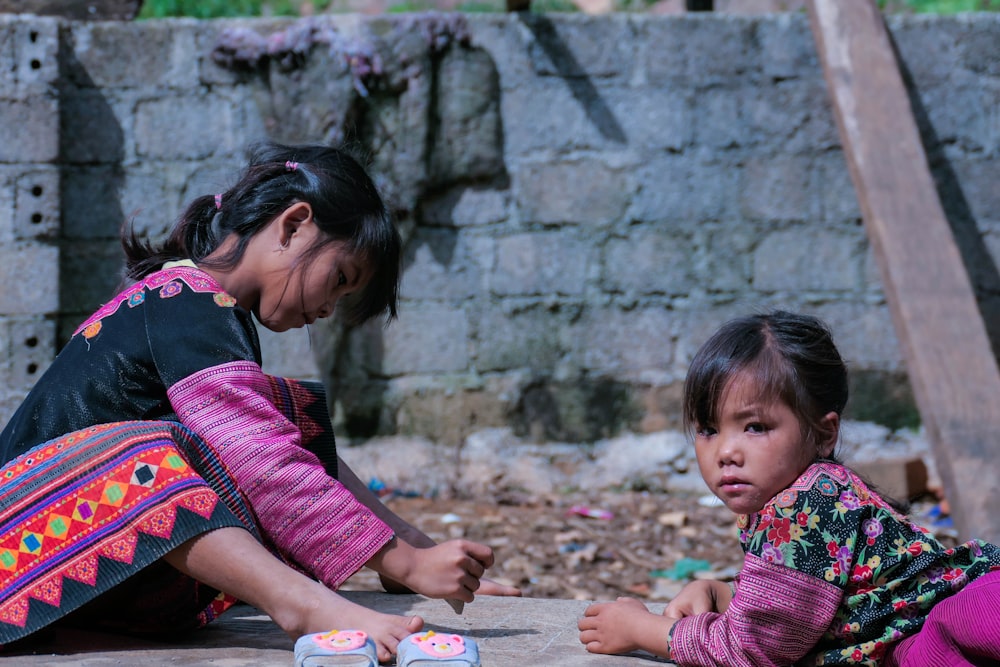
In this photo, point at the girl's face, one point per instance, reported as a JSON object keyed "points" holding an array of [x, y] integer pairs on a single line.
{"points": [[754, 451], [297, 289]]}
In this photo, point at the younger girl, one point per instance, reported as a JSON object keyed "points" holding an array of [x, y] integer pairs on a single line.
{"points": [[832, 574], [155, 474]]}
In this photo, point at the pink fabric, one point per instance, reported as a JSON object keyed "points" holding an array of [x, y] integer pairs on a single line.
{"points": [[776, 618], [308, 515], [960, 631]]}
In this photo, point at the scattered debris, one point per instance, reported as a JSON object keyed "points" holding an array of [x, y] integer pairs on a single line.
{"points": [[590, 512], [683, 569]]}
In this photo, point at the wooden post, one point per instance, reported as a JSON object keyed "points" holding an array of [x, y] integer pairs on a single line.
{"points": [[947, 351]]}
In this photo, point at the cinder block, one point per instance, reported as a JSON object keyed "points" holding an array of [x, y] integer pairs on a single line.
{"points": [[902, 479], [716, 52], [593, 47], [37, 204], [91, 127], [527, 338], [654, 260], [29, 129], [91, 272], [804, 258], [431, 338], [778, 188], [588, 192], [8, 71], [30, 278], [182, 127], [466, 206], [543, 263], [650, 118], [36, 54], [686, 189], [609, 340], [31, 347], [788, 48], [136, 55], [7, 187], [440, 265], [91, 208], [529, 124]]}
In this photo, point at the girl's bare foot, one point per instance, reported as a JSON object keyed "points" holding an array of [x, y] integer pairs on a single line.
{"points": [[322, 610], [231, 560]]}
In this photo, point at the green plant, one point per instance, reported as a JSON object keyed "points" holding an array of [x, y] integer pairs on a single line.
{"points": [[938, 6], [209, 9]]}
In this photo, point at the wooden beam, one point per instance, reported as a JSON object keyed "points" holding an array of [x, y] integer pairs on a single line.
{"points": [[947, 351]]}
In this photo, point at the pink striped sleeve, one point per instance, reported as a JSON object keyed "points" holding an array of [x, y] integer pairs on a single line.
{"points": [[776, 618], [308, 515]]}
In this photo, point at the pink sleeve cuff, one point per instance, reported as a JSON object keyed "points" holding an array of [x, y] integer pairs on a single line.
{"points": [[308, 515], [776, 618]]}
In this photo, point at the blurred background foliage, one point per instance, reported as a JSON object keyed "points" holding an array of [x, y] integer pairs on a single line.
{"points": [[205, 9]]}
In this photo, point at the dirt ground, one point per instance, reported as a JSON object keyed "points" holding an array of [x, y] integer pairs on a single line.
{"points": [[584, 547], [597, 546]]}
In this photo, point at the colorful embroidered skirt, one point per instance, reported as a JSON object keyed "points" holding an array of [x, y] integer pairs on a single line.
{"points": [[82, 514], [85, 520]]}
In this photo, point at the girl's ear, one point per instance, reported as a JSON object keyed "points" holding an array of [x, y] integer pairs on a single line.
{"points": [[291, 219], [829, 433]]}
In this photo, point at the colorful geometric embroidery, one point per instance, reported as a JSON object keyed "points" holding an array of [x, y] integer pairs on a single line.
{"points": [[224, 300], [60, 515], [293, 399], [173, 288], [135, 295], [91, 330]]}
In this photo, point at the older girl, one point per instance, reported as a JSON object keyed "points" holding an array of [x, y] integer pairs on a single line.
{"points": [[155, 474]]}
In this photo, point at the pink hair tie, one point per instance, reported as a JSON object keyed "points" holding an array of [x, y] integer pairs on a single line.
{"points": [[218, 202], [291, 166]]}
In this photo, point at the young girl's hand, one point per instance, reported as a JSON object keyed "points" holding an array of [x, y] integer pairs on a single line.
{"points": [[450, 570], [490, 587], [699, 597], [622, 626]]}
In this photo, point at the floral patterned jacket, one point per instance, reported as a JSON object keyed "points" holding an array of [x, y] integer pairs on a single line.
{"points": [[832, 575]]}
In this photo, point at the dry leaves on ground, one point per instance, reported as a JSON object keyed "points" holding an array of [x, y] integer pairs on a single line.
{"points": [[559, 546]]}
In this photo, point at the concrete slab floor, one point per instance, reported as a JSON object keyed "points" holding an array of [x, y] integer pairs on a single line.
{"points": [[511, 632]]}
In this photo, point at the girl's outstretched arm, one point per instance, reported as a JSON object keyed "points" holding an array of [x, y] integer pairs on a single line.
{"points": [[625, 625], [449, 570], [404, 531]]}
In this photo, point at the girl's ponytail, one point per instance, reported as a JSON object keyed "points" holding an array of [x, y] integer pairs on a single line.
{"points": [[191, 238]]}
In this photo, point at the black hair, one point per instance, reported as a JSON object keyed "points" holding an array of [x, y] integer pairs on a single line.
{"points": [[346, 205], [788, 356]]}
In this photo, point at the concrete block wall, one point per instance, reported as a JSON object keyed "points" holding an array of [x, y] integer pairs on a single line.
{"points": [[29, 204], [583, 199]]}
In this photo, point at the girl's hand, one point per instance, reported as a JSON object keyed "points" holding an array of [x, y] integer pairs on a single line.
{"points": [[699, 597], [622, 626], [451, 569], [486, 587], [490, 587]]}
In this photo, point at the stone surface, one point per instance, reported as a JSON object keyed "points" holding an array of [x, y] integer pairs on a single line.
{"points": [[511, 632]]}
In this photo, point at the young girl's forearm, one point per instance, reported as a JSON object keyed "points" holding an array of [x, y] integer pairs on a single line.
{"points": [[395, 560], [360, 490], [653, 634]]}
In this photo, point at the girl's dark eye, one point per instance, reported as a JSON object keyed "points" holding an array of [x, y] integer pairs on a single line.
{"points": [[341, 279], [705, 431], [756, 427]]}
